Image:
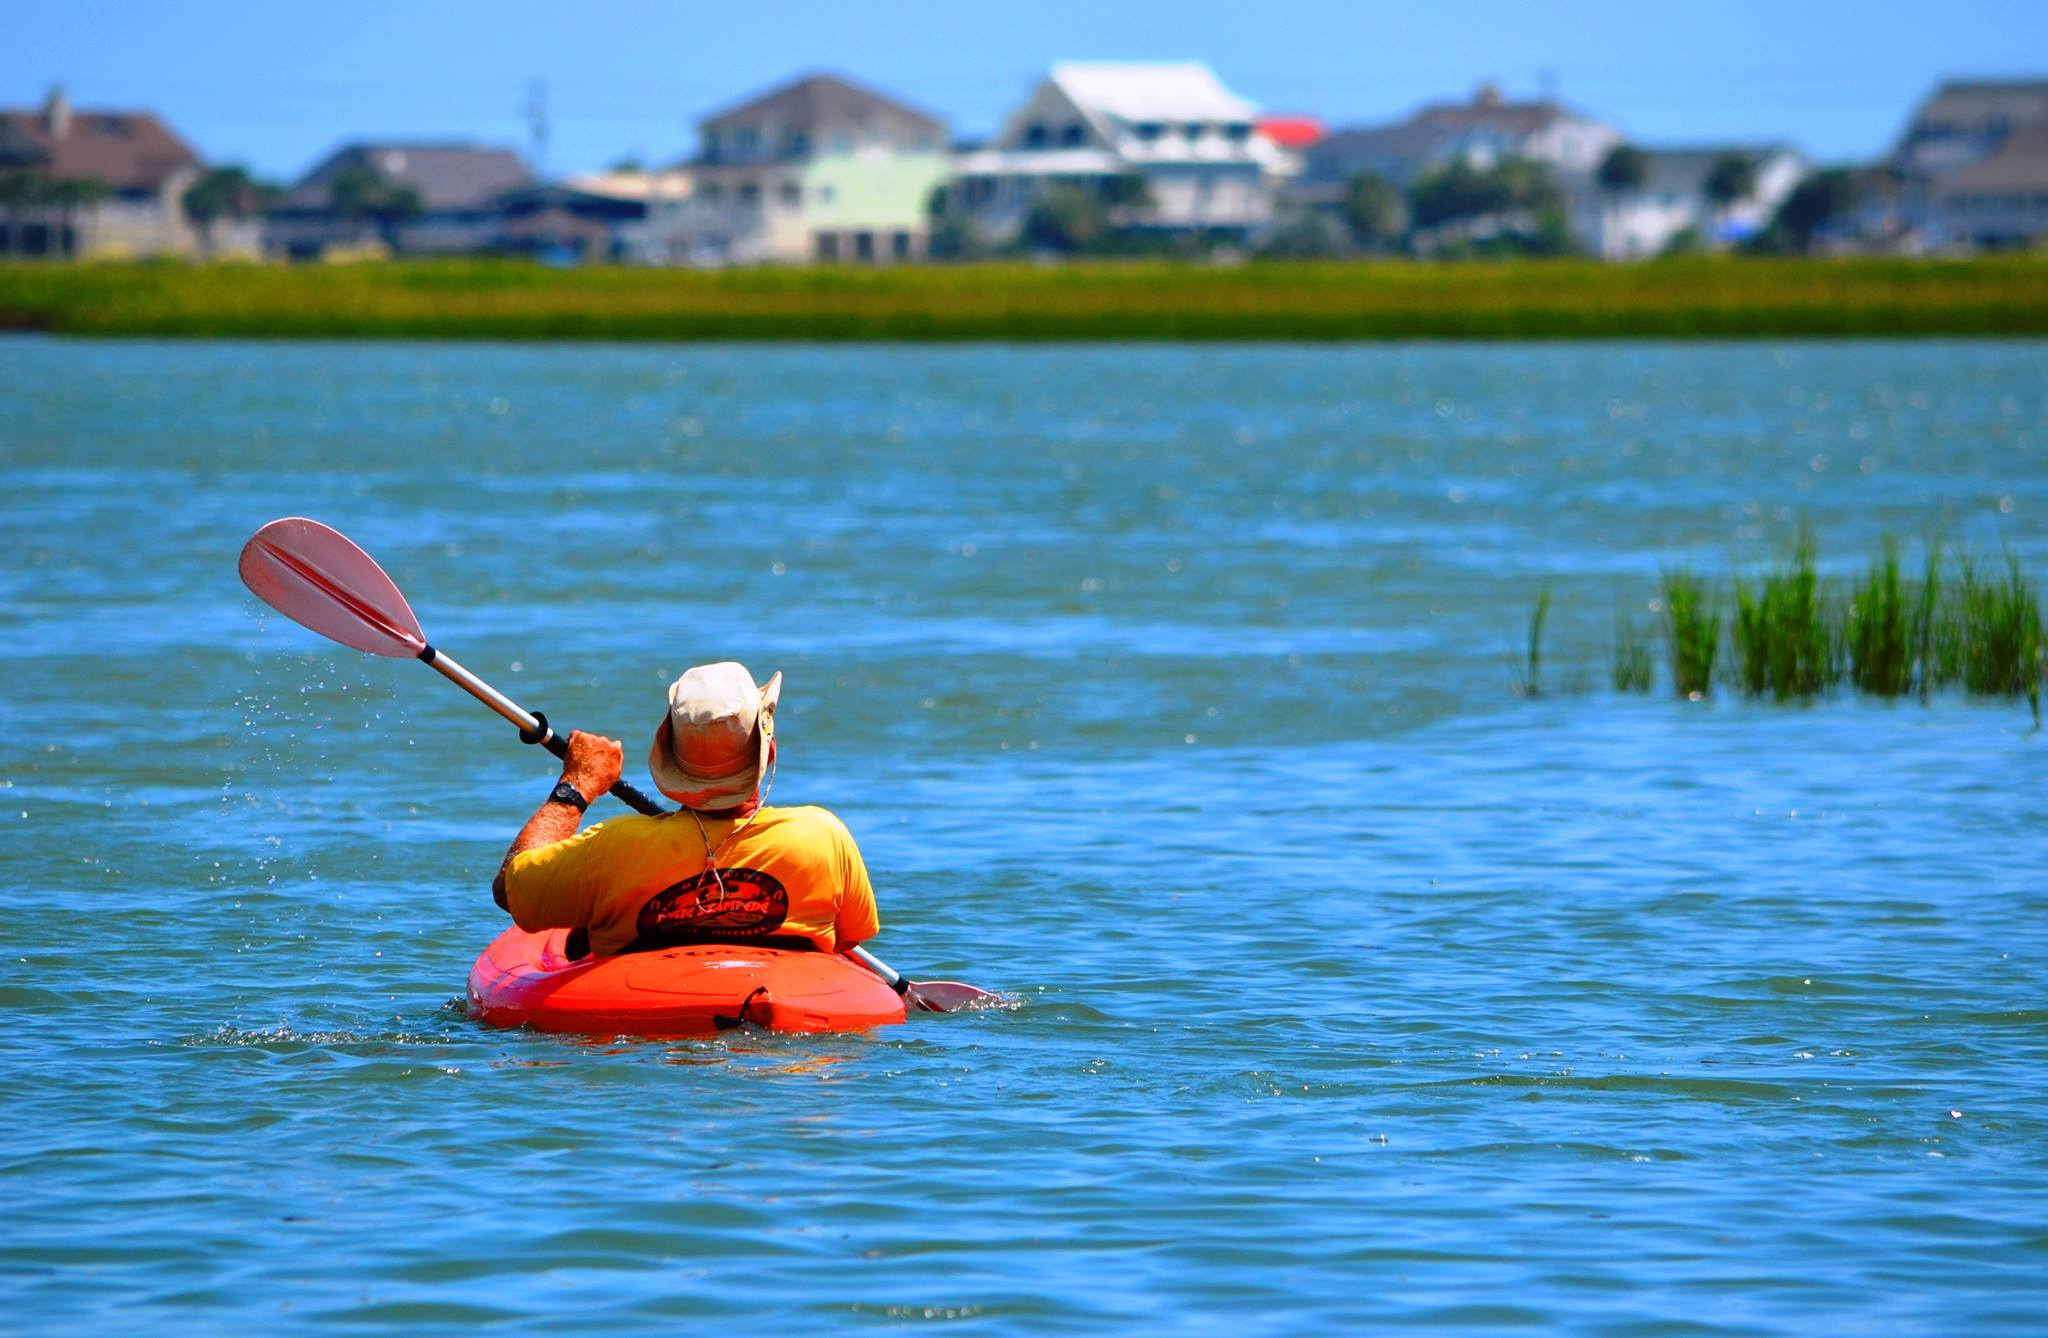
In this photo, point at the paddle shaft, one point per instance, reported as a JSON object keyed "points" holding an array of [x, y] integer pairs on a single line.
{"points": [[532, 728]]}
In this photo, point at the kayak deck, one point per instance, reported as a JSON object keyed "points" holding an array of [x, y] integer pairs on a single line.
{"points": [[523, 980]]}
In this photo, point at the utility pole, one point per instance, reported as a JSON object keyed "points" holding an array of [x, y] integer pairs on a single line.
{"points": [[537, 126]]}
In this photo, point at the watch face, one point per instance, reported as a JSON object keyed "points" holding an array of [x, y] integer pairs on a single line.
{"points": [[565, 793]]}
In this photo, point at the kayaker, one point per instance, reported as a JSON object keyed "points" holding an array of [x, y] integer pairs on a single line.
{"points": [[725, 868]]}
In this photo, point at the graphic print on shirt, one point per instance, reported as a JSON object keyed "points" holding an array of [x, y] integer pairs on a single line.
{"points": [[751, 902]]}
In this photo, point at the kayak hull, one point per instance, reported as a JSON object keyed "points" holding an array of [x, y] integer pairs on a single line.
{"points": [[523, 980]]}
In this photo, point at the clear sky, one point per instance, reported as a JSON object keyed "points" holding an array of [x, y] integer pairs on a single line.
{"points": [[276, 84]]}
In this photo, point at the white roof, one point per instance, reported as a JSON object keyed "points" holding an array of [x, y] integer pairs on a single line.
{"points": [[1151, 91]]}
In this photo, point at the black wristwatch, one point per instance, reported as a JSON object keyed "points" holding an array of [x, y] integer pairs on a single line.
{"points": [[565, 793]]}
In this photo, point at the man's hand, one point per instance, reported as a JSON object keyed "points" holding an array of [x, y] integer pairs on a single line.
{"points": [[593, 764]]}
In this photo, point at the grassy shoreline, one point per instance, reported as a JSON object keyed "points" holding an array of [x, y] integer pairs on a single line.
{"points": [[1712, 298]]}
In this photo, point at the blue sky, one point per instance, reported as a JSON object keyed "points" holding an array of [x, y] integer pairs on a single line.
{"points": [[277, 84]]}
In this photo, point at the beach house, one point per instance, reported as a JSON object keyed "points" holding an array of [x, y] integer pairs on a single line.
{"points": [[86, 182], [1168, 142], [820, 168], [1703, 198], [1971, 166], [411, 198], [1480, 133]]}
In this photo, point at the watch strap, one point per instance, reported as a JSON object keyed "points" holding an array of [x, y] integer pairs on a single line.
{"points": [[565, 793]]}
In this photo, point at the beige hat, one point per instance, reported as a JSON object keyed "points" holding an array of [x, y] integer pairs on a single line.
{"points": [[711, 747]]}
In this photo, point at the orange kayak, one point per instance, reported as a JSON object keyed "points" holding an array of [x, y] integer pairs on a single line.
{"points": [[523, 980]]}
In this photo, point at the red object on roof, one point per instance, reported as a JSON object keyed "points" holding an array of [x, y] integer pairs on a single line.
{"points": [[1291, 132]]}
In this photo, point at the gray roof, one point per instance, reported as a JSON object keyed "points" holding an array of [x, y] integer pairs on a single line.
{"points": [[2018, 166], [449, 177], [126, 150], [1430, 130], [824, 101], [1977, 103]]}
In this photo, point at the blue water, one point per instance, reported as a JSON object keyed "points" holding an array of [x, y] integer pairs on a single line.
{"points": [[1167, 690]]}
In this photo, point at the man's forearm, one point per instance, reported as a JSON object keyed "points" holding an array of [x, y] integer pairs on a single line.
{"points": [[551, 822], [592, 766]]}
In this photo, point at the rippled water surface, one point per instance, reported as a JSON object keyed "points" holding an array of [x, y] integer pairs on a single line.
{"points": [[1165, 689]]}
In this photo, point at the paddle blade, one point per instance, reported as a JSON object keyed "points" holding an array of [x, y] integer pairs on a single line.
{"points": [[947, 996], [314, 576]]}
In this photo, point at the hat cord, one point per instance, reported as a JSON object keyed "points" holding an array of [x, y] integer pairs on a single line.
{"points": [[711, 851]]}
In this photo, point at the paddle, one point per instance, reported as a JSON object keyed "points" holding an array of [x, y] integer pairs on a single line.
{"points": [[313, 575]]}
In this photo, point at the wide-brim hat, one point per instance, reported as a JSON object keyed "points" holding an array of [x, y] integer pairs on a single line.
{"points": [[711, 749]]}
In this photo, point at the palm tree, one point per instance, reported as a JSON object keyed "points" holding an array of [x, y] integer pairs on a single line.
{"points": [[70, 195], [20, 192], [1731, 178], [357, 194], [1623, 169], [220, 192], [1372, 211]]}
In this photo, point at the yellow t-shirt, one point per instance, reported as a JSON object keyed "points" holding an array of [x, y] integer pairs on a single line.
{"points": [[789, 872]]}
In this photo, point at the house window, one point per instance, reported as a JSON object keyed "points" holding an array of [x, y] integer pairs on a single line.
{"points": [[899, 245], [1073, 136], [799, 143], [745, 141], [1036, 136], [1237, 132], [824, 195], [792, 194], [864, 246], [1193, 130], [1150, 130], [828, 246], [750, 195], [711, 192]]}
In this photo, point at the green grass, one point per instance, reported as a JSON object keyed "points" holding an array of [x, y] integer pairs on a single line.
{"points": [[1529, 671], [1706, 297], [1793, 637], [1782, 642], [1998, 632], [1634, 664], [1692, 631], [1880, 630]]}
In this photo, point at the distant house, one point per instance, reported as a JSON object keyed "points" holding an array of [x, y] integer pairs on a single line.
{"points": [[1674, 199], [415, 198], [1967, 171], [818, 169], [617, 216], [1175, 126], [126, 171], [1479, 133]]}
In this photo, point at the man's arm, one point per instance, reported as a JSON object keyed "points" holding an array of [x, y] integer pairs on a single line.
{"points": [[593, 767]]}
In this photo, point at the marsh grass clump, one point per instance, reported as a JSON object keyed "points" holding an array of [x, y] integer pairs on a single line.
{"points": [[1965, 623], [1692, 626], [1996, 634], [1634, 665], [1782, 642], [1880, 630]]}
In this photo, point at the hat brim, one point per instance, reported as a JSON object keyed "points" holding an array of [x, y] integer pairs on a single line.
{"points": [[712, 794]]}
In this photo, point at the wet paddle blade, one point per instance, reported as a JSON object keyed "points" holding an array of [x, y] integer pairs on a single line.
{"points": [[314, 576], [946, 996]]}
